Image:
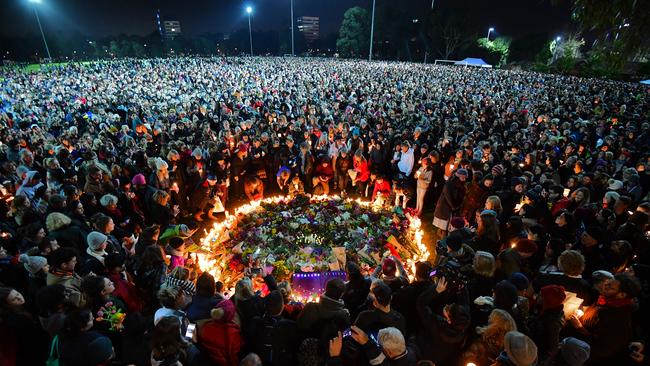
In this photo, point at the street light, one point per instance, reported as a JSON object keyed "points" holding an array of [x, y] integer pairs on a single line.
{"points": [[249, 10], [47, 49], [558, 39], [489, 31], [372, 30]]}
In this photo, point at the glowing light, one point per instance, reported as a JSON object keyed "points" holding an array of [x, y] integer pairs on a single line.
{"points": [[219, 233]]}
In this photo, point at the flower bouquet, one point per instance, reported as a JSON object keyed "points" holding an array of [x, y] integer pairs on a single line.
{"points": [[112, 315]]}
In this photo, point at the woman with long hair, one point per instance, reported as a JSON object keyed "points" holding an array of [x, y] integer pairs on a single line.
{"points": [[23, 340], [168, 347], [487, 233], [489, 342]]}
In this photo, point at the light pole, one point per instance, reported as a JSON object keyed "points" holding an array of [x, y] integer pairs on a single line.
{"points": [[292, 45], [47, 49], [249, 10], [372, 30], [489, 31]]}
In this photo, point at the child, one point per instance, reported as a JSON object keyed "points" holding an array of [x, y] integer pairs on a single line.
{"points": [[176, 249]]}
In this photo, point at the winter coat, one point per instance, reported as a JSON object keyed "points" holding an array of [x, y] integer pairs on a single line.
{"points": [[71, 282], [125, 291], [221, 340], [438, 340], [326, 310], [372, 321], [404, 301], [274, 339], [474, 199], [604, 321], [355, 295], [201, 306], [450, 199], [545, 331]]}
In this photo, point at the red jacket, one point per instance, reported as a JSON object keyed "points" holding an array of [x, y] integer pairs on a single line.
{"points": [[221, 339], [383, 187], [126, 291], [363, 170], [559, 205]]}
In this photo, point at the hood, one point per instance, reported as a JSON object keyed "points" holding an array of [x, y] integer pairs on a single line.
{"points": [[329, 307], [228, 308]]}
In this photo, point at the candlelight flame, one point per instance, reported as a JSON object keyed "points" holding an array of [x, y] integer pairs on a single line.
{"points": [[218, 233]]}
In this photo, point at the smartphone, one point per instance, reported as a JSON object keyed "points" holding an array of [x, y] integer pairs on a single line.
{"points": [[189, 333], [347, 332], [566, 192]]}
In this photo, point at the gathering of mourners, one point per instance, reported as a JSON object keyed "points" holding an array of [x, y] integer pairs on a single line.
{"points": [[533, 189]]}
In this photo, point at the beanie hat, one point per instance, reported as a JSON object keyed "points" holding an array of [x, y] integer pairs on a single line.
{"points": [[614, 184], [526, 246], [95, 239], [138, 180], [462, 173], [574, 351], [516, 181], [505, 295], [99, 350], [519, 280], [497, 170], [389, 267], [33, 264], [457, 222], [521, 350], [454, 241], [552, 297]]}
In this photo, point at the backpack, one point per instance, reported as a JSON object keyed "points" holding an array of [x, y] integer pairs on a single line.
{"points": [[267, 339], [53, 358]]}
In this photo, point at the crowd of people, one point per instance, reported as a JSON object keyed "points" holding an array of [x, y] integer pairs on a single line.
{"points": [[535, 188]]}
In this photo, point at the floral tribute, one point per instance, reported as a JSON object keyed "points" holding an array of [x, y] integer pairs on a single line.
{"points": [[112, 315], [308, 235]]}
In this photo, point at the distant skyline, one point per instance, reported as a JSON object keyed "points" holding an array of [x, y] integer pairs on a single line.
{"points": [[100, 18]]}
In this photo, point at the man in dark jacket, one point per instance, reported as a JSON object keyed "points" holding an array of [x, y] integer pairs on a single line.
{"points": [[442, 336], [272, 337], [607, 326], [330, 309], [404, 301], [382, 316]]}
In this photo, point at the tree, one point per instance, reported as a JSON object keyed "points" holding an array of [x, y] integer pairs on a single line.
{"points": [[568, 48], [114, 48], [621, 27], [354, 33], [138, 49], [499, 46], [451, 38]]}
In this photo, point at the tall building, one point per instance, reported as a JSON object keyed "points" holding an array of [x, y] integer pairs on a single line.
{"points": [[309, 27], [172, 28]]}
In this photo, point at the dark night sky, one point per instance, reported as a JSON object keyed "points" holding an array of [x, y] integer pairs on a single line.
{"points": [[98, 18]]}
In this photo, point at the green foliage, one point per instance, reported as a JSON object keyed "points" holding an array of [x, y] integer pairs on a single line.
{"points": [[354, 33], [621, 28], [499, 46]]}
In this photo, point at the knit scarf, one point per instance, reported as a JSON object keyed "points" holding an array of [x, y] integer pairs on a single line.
{"points": [[61, 273], [614, 303]]}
